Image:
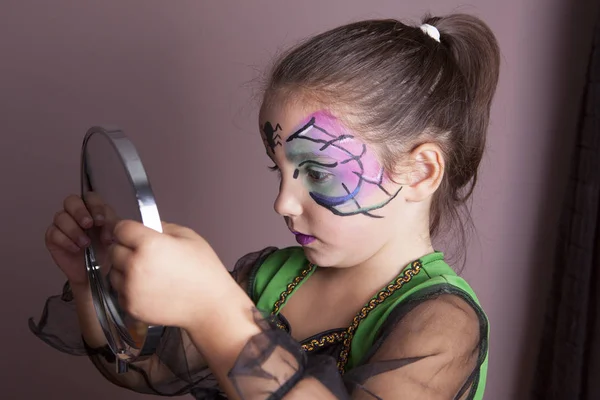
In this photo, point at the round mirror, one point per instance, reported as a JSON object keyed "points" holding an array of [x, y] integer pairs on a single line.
{"points": [[113, 180]]}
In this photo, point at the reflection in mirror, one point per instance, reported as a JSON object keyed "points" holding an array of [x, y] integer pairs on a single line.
{"points": [[114, 183]]}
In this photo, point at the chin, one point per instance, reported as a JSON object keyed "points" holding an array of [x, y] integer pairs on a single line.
{"points": [[316, 257], [321, 258]]}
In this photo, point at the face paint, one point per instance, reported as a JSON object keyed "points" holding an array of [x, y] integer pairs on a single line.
{"points": [[273, 140], [339, 171]]}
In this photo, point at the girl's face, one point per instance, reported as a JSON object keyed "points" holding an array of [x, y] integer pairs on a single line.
{"points": [[333, 194]]}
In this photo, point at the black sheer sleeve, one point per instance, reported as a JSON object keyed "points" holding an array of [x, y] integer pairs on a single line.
{"points": [[176, 368], [431, 347]]}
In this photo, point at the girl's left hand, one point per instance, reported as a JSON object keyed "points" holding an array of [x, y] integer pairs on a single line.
{"points": [[172, 278]]}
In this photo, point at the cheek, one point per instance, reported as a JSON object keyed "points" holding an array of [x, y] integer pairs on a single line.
{"points": [[342, 230]]}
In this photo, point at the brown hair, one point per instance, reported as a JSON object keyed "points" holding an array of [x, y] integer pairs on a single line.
{"points": [[398, 87]]}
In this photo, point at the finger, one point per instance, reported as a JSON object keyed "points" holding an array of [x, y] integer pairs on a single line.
{"points": [[177, 230], [121, 258], [117, 280], [132, 233], [64, 222], [106, 230], [77, 209], [96, 206], [112, 219], [106, 236], [56, 238]]}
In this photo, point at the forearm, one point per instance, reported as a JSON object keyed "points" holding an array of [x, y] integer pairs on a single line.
{"points": [[94, 335], [234, 330], [221, 337], [86, 314]]}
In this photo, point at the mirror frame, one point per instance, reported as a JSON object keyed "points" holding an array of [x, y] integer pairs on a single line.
{"points": [[150, 217]]}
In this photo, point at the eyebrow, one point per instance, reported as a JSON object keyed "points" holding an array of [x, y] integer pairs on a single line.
{"points": [[307, 155], [321, 164]]}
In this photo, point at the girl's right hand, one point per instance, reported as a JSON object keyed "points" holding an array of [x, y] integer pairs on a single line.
{"points": [[66, 238]]}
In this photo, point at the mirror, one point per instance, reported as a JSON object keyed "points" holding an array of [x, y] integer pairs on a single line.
{"points": [[113, 180]]}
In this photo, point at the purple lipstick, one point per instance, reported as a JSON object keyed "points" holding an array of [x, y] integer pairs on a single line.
{"points": [[303, 239]]}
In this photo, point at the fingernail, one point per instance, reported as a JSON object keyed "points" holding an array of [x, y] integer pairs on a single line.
{"points": [[83, 241], [99, 218], [106, 237], [86, 221]]}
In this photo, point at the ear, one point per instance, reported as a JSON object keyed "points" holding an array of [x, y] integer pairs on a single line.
{"points": [[425, 172]]}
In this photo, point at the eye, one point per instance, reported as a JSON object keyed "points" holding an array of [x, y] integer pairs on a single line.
{"points": [[317, 176], [276, 169]]}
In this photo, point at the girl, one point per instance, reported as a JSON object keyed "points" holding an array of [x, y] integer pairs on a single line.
{"points": [[376, 130]]}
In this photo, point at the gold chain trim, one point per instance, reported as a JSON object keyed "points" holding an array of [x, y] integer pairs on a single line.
{"points": [[290, 287], [280, 325], [348, 335], [414, 269], [324, 340]]}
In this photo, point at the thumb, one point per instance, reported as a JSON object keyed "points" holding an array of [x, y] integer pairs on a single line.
{"points": [[178, 231], [132, 233]]}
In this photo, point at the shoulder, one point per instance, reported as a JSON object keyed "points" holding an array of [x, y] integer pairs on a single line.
{"points": [[284, 263], [260, 267], [272, 253], [432, 348], [444, 302], [286, 255], [445, 323], [244, 268], [254, 257]]}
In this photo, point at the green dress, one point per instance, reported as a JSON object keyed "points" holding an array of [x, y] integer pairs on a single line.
{"points": [[275, 279], [365, 358]]}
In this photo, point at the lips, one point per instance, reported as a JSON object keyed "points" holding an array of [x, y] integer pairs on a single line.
{"points": [[301, 238], [304, 240]]}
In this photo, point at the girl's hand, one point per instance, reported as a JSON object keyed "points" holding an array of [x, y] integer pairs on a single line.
{"points": [[172, 278], [66, 237]]}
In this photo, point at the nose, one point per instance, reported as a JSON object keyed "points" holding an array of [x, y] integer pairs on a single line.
{"points": [[288, 202]]}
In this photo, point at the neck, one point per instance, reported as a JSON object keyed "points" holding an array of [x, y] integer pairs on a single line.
{"points": [[377, 271]]}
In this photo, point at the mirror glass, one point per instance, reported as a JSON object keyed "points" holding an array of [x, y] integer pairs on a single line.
{"points": [[114, 182]]}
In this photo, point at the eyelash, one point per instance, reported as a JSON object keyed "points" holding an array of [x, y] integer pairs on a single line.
{"points": [[324, 175], [309, 172], [275, 168]]}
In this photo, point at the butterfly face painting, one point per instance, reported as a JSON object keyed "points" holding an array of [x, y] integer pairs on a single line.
{"points": [[336, 167]]}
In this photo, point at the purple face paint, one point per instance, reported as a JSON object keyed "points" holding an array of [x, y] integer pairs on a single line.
{"points": [[339, 171]]}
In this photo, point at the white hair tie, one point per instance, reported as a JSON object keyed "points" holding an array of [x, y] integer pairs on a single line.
{"points": [[431, 31]]}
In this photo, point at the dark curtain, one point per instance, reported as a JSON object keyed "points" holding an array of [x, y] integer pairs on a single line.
{"points": [[568, 366]]}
